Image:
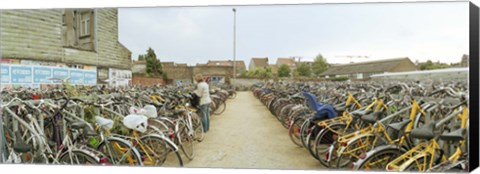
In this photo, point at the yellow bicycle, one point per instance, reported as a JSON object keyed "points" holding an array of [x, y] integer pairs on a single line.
{"points": [[429, 153]]}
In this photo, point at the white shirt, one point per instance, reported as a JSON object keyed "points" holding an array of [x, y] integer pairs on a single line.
{"points": [[203, 92]]}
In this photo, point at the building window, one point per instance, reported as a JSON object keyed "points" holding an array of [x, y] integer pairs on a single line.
{"points": [[85, 24]]}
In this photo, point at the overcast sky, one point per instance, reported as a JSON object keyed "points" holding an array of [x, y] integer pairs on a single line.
{"points": [[421, 31]]}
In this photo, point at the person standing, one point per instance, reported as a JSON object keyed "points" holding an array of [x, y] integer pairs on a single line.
{"points": [[203, 92]]}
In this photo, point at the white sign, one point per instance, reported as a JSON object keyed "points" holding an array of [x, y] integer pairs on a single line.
{"points": [[118, 77]]}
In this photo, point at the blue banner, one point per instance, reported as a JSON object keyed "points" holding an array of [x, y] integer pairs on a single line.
{"points": [[21, 74], [42, 75], [36, 75], [5, 75], [60, 74], [90, 77], [76, 77]]}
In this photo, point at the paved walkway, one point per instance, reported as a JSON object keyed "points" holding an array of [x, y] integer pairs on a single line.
{"points": [[246, 135]]}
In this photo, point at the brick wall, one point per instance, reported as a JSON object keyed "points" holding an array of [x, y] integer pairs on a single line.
{"points": [[178, 72], [139, 68], [213, 70], [139, 80]]}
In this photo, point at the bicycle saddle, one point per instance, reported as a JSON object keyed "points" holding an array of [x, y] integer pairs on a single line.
{"points": [[398, 126], [136, 122], [78, 125], [425, 132], [360, 113], [372, 117], [104, 123], [178, 111], [456, 135]]}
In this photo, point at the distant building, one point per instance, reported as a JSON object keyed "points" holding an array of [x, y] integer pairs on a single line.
{"points": [[437, 74], [274, 69], [214, 74], [239, 64], [364, 70], [177, 72], [139, 67], [287, 61], [181, 73], [258, 63]]}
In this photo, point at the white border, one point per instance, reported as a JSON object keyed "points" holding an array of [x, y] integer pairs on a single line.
{"points": [[29, 4], [35, 4]]}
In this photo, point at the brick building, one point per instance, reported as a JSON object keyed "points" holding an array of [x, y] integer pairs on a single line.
{"points": [[75, 38], [290, 62], [239, 64], [258, 63], [177, 72]]}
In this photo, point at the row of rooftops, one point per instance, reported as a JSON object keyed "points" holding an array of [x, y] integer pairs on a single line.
{"points": [[361, 67], [376, 66]]}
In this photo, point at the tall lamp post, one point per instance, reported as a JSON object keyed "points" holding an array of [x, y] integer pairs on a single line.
{"points": [[234, 43]]}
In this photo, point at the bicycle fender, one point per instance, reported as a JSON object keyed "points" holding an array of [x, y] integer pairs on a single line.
{"points": [[409, 161], [375, 150], [161, 136], [358, 137], [135, 150], [97, 160], [340, 151]]}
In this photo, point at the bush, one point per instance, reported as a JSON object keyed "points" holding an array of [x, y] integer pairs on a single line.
{"points": [[338, 79]]}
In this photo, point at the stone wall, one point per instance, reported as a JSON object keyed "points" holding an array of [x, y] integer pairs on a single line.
{"points": [[31, 34], [110, 52], [37, 35], [245, 82]]}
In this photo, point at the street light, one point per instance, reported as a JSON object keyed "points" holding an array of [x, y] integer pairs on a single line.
{"points": [[234, 43]]}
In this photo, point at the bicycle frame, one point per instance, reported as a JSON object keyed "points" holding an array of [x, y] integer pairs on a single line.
{"points": [[372, 131], [426, 150], [106, 135]]}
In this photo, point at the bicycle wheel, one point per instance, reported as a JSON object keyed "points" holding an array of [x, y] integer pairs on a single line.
{"points": [[198, 127], [220, 109], [378, 160], [232, 95], [347, 155], [157, 149], [120, 152], [324, 140], [78, 157], [185, 141], [306, 128], [294, 131], [311, 140]]}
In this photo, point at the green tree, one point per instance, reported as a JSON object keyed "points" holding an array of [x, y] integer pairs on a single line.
{"points": [[284, 71], [243, 74], [154, 67], [319, 65], [303, 69], [260, 73], [429, 65], [141, 57]]}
